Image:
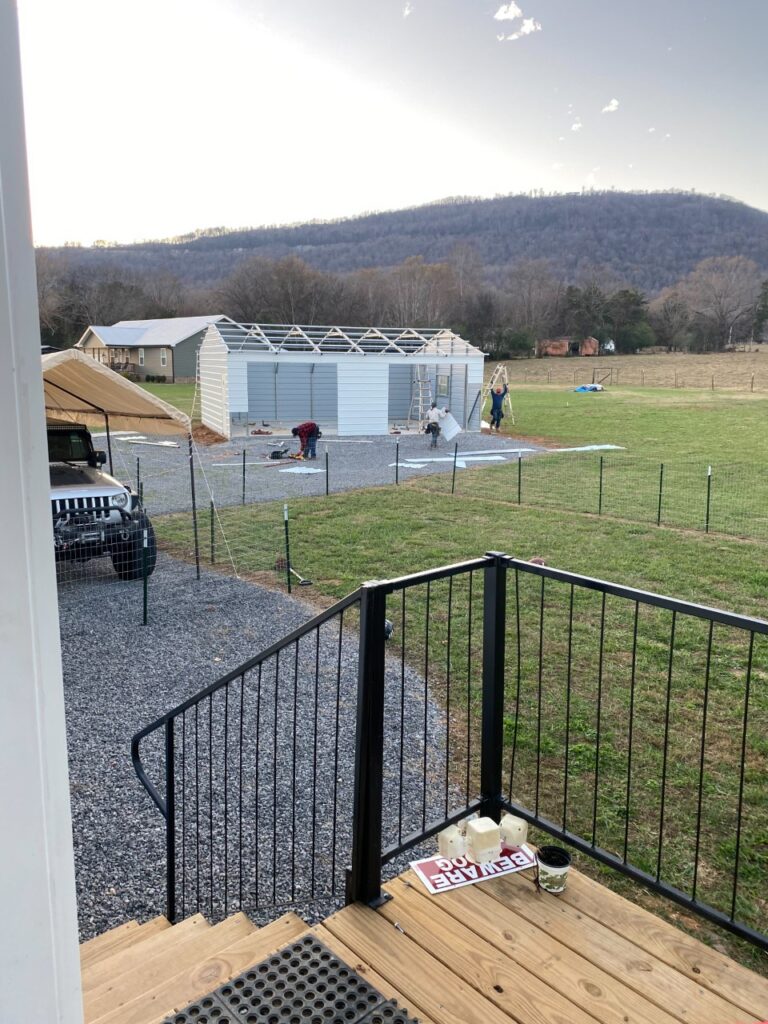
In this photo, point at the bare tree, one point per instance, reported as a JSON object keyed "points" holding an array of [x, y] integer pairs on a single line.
{"points": [[722, 292]]}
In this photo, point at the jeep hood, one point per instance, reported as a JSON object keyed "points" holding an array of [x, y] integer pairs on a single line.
{"points": [[81, 479]]}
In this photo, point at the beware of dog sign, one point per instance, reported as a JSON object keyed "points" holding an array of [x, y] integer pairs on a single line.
{"points": [[439, 874]]}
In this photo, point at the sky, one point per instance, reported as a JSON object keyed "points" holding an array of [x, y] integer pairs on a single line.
{"points": [[152, 118]]}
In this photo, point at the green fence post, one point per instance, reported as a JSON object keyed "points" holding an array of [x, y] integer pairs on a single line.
{"points": [[455, 456], [243, 475], [709, 498], [213, 538], [287, 548], [600, 492], [519, 478], [327, 488], [397, 462], [661, 489]]}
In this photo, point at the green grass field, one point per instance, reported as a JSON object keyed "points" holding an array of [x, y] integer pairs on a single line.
{"points": [[379, 533], [180, 395]]}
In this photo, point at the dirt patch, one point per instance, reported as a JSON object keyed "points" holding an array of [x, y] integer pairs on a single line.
{"points": [[205, 436]]}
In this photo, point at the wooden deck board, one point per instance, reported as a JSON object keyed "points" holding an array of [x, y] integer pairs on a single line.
{"points": [[503, 952], [700, 963], [616, 954], [575, 978]]}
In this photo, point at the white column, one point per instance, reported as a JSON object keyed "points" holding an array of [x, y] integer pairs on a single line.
{"points": [[39, 963]]}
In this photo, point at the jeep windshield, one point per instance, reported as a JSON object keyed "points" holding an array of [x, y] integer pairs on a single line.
{"points": [[68, 446]]}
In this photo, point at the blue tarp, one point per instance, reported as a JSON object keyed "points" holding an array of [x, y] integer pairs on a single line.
{"points": [[590, 387]]}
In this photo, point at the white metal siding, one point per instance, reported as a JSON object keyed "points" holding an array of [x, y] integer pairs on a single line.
{"points": [[214, 392], [363, 396], [474, 387]]}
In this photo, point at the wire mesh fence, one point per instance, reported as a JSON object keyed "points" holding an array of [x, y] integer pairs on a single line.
{"points": [[727, 498], [734, 371]]}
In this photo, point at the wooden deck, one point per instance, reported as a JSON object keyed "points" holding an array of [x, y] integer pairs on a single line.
{"points": [[501, 951]]}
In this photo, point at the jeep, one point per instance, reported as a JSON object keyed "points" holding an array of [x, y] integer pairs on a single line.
{"points": [[94, 514]]}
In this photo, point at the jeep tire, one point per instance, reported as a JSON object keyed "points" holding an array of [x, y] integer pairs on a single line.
{"points": [[127, 558]]}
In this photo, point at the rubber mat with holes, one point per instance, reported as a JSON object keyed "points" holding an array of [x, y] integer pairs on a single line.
{"points": [[301, 984]]}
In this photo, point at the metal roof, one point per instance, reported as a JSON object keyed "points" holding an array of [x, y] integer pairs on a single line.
{"points": [[406, 341], [166, 332]]}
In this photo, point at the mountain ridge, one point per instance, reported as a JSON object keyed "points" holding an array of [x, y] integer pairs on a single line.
{"points": [[648, 239]]}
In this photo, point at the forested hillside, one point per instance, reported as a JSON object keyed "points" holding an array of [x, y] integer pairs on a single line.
{"points": [[645, 240]]}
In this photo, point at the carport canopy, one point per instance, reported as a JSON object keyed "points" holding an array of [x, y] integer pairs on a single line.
{"points": [[78, 388]]}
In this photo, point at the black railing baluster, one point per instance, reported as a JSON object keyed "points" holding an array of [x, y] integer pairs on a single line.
{"points": [[595, 794], [448, 695], [492, 741], [518, 684], [257, 774], [336, 756], [275, 763], [293, 771], [364, 880], [666, 746], [184, 814], [426, 708], [402, 718], [469, 687], [737, 857], [170, 820], [539, 694], [630, 738], [566, 766], [210, 800], [702, 754], [197, 806], [226, 798], [240, 796], [314, 763]]}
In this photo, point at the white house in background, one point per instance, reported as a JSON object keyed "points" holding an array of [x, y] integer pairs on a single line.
{"points": [[349, 380], [150, 348]]}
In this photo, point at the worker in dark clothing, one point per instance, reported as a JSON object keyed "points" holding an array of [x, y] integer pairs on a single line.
{"points": [[497, 402], [307, 434]]}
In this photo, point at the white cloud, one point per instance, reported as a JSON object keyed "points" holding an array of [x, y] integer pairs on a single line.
{"points": [[557, 167], [651, 131], [668, 136], [508, 12], [561, 139], [577, 125], [529, 26], [407, 10], [611, 108]]}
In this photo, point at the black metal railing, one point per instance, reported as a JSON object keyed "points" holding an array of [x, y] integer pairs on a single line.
{"points": [[627, 724], [257, 772]]}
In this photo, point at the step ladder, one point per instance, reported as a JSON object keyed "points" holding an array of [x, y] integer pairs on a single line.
{"points": [[421, 400], [499, 378]]}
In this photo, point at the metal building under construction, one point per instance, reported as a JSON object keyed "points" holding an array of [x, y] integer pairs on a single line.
{"points": [[350, 380]]}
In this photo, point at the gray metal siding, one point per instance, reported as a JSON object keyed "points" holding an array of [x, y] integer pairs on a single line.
{"points": [[400, 390], [261, 392], [458, 395], [324, 393], [294, 400]]}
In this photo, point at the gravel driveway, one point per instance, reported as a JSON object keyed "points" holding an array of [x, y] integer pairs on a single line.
{"points": [[352, 463], [119, 676]]}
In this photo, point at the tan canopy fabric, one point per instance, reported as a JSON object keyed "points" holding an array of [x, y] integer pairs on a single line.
{"points": [[79, 388]]}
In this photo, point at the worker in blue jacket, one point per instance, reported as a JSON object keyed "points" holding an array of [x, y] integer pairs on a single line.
{"points": [[497, 401]]}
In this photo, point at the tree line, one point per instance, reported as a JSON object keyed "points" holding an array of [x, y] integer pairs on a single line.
{"points": [[723, 301]]}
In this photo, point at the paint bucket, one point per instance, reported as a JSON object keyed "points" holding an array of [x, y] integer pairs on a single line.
{"points": [[552, 873]]}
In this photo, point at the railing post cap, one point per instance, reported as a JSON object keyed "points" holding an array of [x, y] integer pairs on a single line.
{"points": [[496, 554]]}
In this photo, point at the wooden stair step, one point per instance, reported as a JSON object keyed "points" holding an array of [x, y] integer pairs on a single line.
{"points": [[112, 967], [700, 963], [117, 939], [364, 969], [92, 946], [630, 965], [575, 978], [164, 962], [427, 984], [186, 986]]}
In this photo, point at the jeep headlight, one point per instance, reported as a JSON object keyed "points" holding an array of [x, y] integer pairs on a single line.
{"points": [[120, 500]]}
